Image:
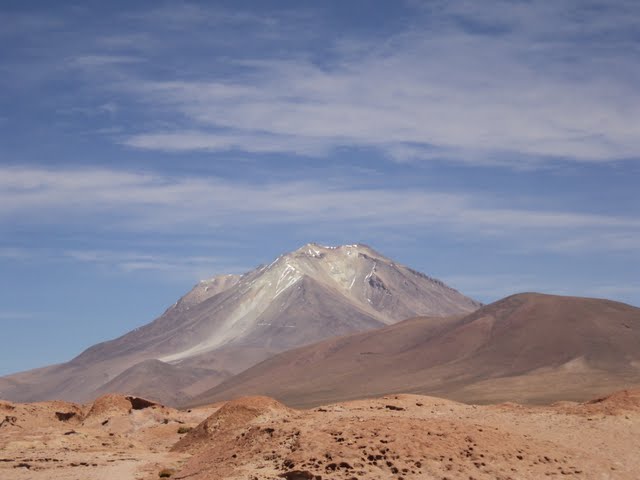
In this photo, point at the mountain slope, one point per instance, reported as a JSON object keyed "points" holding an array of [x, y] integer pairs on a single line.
{"points": [[527, 347], [231, 322], [157, 380]]}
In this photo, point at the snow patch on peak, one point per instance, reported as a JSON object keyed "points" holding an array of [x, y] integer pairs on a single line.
{"points": [[373, 270], [217, 278], [317, 250], [289, 278], [313, 250], [206, 281]]}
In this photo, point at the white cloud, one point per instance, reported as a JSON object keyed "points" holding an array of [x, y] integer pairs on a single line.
{"points": [[92, 61], [541, 88], [135, 201], [254, 142], [521, 84], [194, 267]]}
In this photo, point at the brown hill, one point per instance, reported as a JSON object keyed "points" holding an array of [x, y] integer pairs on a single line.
{"points": [[529, 348], [229, 419]]}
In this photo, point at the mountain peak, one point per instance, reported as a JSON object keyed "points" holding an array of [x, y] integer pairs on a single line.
{"points": [[314, 249]]}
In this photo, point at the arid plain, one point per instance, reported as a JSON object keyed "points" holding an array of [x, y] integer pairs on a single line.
{"points": [[391, 437]]}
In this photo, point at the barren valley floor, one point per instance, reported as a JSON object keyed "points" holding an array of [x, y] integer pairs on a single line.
{"points": [[258, 438]]}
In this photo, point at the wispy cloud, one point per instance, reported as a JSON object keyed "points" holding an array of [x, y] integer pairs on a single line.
{"points": [[519, 84], [15, 316], [153, 259], [185, 15], [17, 23], [492, 287], [182, 265], [615, 291], [478, 85], [601, 241], [136, 201], [252, 142], [91, 61], [14, 253]]}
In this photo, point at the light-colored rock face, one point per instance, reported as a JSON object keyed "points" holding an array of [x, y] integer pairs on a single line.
{"points": [[370, 283], [206, 289], [366, 278]]}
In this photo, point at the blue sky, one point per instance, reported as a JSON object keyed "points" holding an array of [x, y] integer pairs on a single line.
{"points": [[494, 144]]}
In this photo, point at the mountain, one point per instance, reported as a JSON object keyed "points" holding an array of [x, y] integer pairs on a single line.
{"points": [[526, 348], [231, 322]]}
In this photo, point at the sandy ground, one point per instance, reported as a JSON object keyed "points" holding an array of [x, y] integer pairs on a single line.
{"points": [[107, 440], [257, 438]]}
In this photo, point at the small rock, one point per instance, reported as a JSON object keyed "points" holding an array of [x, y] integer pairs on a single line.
{"points": [[298, 475]]}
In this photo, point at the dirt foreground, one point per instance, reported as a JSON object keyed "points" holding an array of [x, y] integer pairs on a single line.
{"points": [[258, 438]]}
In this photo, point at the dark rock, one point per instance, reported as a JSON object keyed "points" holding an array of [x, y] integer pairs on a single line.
{"points": [[394, 407], [65, 416], [298, 475]]}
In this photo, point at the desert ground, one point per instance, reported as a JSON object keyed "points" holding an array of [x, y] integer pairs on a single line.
{"points": [[258, 438]]}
